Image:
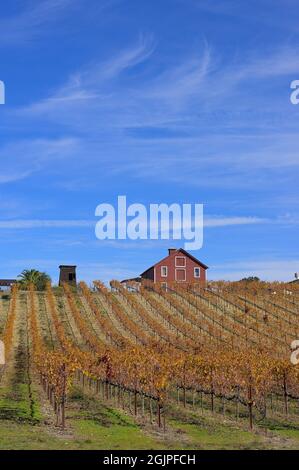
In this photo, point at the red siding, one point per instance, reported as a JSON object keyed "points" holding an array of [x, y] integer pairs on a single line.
{"points": [[177, 273]]}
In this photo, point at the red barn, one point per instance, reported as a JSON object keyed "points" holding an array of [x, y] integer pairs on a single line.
{"points": [[178, 266]]}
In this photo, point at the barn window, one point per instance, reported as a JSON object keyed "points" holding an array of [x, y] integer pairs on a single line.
{"points": [[180, 261], [196, 272], [164, 271]]}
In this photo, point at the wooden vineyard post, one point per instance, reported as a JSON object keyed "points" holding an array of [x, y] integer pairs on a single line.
{"points": [[63, 398], [250, 405], [56, 409], [106, 390], [159, 414], [238, 405], [223, 405], [212, 400], [130, 402], [135, 403], [151, 410], [271, 403], [285, 394], [123, 398], [118, 395]]}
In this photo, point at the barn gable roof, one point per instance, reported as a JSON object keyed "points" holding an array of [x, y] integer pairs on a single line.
{"points": [[185, 253]]}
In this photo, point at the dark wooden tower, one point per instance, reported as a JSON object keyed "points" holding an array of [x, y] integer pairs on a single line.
{"points": [[67, 274]]}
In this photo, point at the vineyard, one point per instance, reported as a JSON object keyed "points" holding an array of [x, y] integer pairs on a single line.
{"points": [[142, 367]]}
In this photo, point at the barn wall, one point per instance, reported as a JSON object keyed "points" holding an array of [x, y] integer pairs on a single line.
{"points": [[189, 269], [149, 275]]}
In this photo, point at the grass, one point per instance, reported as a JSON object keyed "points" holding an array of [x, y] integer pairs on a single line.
{"points": [[218, 437], [98, 426], [116, 436], [286, 429], [17, 396], [27, 420], [20, 436], [14, 405], [93, 424], [211, 431]]}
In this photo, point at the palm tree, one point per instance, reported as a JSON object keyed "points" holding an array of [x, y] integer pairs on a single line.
{"points": [[32, 276]]}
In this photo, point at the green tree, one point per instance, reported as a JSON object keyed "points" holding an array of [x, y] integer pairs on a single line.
{"points": [[251, 279], [32, 276]]}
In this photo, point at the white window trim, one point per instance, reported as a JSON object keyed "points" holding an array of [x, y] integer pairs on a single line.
{"points": [[181, 265], [164, 275], [197, 277], [180, 280]]}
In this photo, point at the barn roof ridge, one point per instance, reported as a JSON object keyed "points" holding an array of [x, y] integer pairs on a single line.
{"points": [[181, 250]]}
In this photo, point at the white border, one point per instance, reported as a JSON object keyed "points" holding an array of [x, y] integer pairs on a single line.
{"points": [[181, 280], [181, 265], [164, 275], [197, 277]]}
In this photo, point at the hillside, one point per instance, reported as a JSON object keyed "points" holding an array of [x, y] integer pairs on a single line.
{"points": [[149, 369]]}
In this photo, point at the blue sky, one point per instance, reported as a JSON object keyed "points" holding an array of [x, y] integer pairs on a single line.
{"points": [[183, 101]]}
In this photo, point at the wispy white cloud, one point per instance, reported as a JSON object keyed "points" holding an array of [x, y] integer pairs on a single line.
{"points": [[156, 113], [183, 81], [23, 158], [236, 10], [268, 270], [42, 16], [92, 271], [209, 222], [88, 87], [39, 223], [32, 20], [173, 95], [87, 271]]}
